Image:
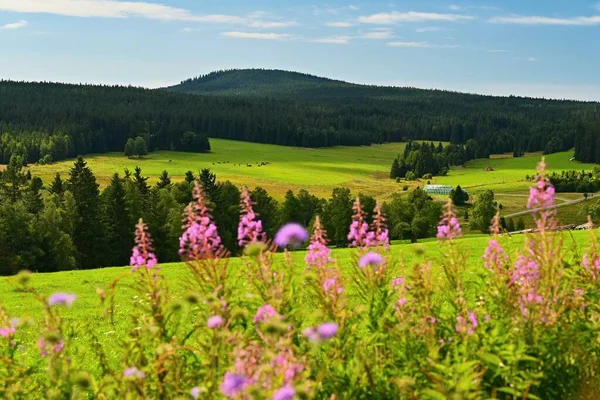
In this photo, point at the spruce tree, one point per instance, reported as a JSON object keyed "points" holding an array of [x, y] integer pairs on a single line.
{"points": [[164, 181], [189, 177], [88, 232], [32, 196], [57, 185], [116, 218], [395, 171], [13, 179], [208, 182], [267, 209]]}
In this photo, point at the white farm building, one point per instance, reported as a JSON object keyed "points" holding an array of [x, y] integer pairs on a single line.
{"points": [[439, 189]]}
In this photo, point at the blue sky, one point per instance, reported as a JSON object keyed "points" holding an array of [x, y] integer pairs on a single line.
{"points": [[538, 48]]}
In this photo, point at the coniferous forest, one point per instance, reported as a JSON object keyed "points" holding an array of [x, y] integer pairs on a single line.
{"points": [[50, 122]]}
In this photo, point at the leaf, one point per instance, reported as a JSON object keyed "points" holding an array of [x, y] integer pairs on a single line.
{"points": [[490, 358], [433, 394]]}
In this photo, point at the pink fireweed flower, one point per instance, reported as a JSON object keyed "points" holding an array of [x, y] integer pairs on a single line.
{"points": [[285, 393], [332, 285], [7, 331], [45, 347], [249, 228], [322, 332], [541, 196], [370, 259], [65, 299], [195, 392], [200, 238], [379, 236], [449, 226], [265, 313], [133, 372], [494, 257], [397, 282], [466, 325], [359, 227], [142, 255], [318, 253], [292, 235], [592, 266], [214, 322], [233, 384]]}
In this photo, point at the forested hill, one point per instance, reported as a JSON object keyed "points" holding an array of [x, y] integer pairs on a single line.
{"points": [[61, 120], [259, 82]]}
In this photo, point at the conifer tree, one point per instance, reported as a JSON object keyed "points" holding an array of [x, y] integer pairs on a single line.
{"points": [[116, 218], [57, 185], [88, 232], [164, 181]]}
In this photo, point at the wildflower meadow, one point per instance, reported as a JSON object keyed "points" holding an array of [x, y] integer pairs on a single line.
{"points": [[518, 326]]}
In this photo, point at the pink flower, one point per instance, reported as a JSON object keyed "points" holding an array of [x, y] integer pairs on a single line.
{"points": [[285, 393], [449, 226], [7, 331], [466, 325], [200, 239], [292, 235], [142, 254], [195, 392], [370, 259], [359, 228], [494, 257], [397, 282], [318, 253], [233, 384], [44, 347], [379, 236], [62, 298], [133, 372], [265, 313], [249, 229], [214, 322], [321, 333]]}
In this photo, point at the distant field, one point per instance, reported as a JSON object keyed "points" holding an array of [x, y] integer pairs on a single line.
{"points": [[362, 169], [508, 173]]}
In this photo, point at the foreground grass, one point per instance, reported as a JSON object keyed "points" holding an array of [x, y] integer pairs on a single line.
{"points": [[85, 283]]}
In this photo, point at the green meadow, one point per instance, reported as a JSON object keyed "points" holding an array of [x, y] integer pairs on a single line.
{"points": [[361, 169], [88, 314]]}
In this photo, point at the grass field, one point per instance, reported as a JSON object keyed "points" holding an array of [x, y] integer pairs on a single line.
{"points": [[362, 169], [87, 314]]}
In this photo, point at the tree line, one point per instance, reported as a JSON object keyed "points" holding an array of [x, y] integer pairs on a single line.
{"points": [[72, 224], [424, 160], [50, 121]]}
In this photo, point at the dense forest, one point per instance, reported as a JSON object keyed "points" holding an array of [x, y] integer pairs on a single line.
{"points": [[71, 224], [60, 120]]}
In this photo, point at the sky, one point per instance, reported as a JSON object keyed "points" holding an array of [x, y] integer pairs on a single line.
{"points": [[538, 48]]}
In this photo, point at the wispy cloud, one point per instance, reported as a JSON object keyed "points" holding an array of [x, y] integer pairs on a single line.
{"points": [[15, 25], [532, 59], [127, 9], [421, 45], [377, 34], [339, 24], [541, 20], [258, 35], [497, 51], [430, 29], [333, 40], [395, 17]]}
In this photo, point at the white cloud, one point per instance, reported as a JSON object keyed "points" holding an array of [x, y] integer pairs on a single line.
{"points": [[352, 7], [540, 20], [454, 7], [422, 45], [430, 29], [409, 44], [378, 35], [333, 40], [339, 24], [395, 17], [15, 25], [257, 35], [532, 59], [126, 9]]}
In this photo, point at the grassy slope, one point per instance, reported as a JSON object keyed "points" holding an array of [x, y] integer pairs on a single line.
{"points": [[363, 169], [88, 314]]}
